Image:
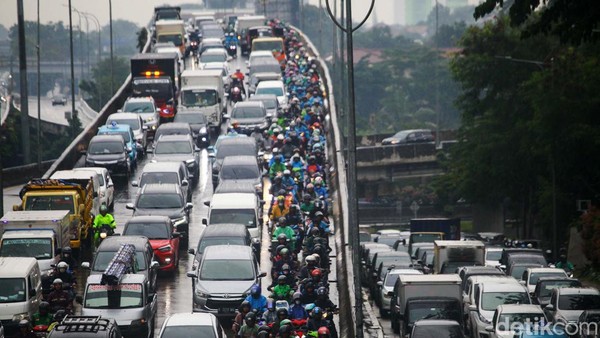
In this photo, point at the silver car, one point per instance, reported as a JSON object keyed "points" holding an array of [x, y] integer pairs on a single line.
{"points": [[137, 126], [195, 324]]}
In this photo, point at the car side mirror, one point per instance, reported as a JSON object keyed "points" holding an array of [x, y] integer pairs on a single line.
{"points": [[379, 283], [522, 282], [226, 116], [83, 152], [549, 307], [154, 265], [472, 307], [191, 274], [130, 206], [188, 206], [176, 235], [262, 274], [391, 293], [151, 297], [110, 184], [134, 183], [503, 267], [85, 265], [129, 149], [185, 183], [207, 203], [144, 128], [192, 251], [489, 328], [204, 221]]}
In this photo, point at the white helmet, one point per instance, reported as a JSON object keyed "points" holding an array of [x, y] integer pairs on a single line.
{"points": [[62, 265]]}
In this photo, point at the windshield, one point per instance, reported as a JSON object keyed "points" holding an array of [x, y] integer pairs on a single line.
{"points": [[104, 257], [493, 255], [438, 310], [234, 149], [175, 39], [190, 118], [398, 261], [50, 203], [124, 133], [438, 331], [267, 45], [138, 107], [277, 91], [239, 172], [389, 240], [120, 296], [219, 269], [491, 300], [547, 287], [535, 276], [105, 148], [150, 230], [205, 242], [38, 248], [159, 201], [401, 134], [248, 112], [133, 123], [206, 58], [517, 271], [240, 216], [579, 302], [12, 290], [160, 178], [511, 320], [181, 331], [391, 279], [265, 68], [173, 147], [199, 98]]}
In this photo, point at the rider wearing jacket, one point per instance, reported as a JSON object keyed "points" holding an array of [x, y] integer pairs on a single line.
{"points": [[102, 219]]}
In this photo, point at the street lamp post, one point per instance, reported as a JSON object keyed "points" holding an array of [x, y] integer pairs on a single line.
{"points": [[39, 108], [23, 85], [99, 52], [112, 71], [72, 66]]}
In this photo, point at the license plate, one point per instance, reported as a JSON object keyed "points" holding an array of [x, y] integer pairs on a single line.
{"points": [[227, 310]]}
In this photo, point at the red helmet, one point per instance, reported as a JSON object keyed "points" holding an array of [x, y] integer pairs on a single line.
{"points": [[316, 273], [323, 330], [316, 125]]}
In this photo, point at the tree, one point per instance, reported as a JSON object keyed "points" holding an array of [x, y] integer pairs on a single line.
{"points": [[574, 21], [142, 38], [100, 82]]}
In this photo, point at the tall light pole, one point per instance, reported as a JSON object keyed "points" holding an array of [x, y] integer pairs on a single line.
{"points": [[39, 108], [351, 161], [99, 53], [112, 66], [72, 66], [23, 90]]}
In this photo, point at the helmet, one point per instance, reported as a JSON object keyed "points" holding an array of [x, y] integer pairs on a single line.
{"points": [[24, 323], [44, 306], [316, 273], [275, 150], [310, 259], [282, 278], [323, 330], [264, 328], [282, 311], [279, 248], [255, 290], [316, 312], [287, 172], [284, 251], [57, 281], [285, 329], [315, 231], [245, 304], [67, 250], [296, 295], [62, 265], [280, 198], [285, 322], [309, 307], [319, 180], [282, 221], [280, 137], [322, 291], [250, 316], [310, 186], [285, 267], [318, 213], [103, 208]]}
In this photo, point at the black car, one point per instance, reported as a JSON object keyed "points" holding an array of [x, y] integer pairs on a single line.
{"points": [[223, 234], [231, 146], [110, 152], [242, 169], [410, 137], [166, 172], [164, 200], [178, 148], [174, 128], [199, 125], [249, 115], [86, 326]]}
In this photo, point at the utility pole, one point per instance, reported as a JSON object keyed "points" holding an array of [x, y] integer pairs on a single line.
{"points": [[437, 80], [23, 90], [39, 109], [72, 60], [112, 64]]}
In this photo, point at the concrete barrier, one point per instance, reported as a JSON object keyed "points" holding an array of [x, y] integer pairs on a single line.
{"points": [[22, 174]]}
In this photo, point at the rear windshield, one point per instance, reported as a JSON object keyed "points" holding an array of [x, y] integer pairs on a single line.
{"points": [[547, 287], [579, 302], [105, 148], [150, 230], [239, 216], [138, 107], [248, 112], [430, 310], [534, 277], [239, 172], [159, 201], [133, 123], [206, 58], [125, 134], [493, 255], [103, 258], [160, 178], [220, 269], [50, 203], [173, 147], [186, 331], [209, 241], [277, 91], [12, 290], [491, 300], [235, 149]]}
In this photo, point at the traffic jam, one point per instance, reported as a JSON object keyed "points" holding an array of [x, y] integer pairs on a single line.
{"points": [[203, 208], [99, 246]]}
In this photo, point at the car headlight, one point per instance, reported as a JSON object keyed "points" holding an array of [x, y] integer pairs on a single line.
{"points": [[394, 141], [20, 316], [201, 293], [141, 321], [150, 119], [165, 248], [204, 139]]}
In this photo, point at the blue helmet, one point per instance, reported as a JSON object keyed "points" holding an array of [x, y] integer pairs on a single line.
{"points": [[255, 290]]}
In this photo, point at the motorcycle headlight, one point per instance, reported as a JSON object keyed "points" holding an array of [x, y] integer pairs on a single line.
{"points": [[165, 248], [20, 316]]}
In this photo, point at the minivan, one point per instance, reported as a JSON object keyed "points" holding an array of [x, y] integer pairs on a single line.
{"points": [[20, 290], [242, 208], [224, 234]]}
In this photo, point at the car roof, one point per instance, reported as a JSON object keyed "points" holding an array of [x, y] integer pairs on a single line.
{"points": [[123, 116], [113, 243], [502, 287], [140, 99], [436, 322], [225, 229], [519, 308], [243, 104], [261, 53], [108, 138], [478, 279], [213, 51], [16, 266], [115, 127], [162, 167], [541, 270], [405, 272], [171, 138], [232, 252], [191, 319], [70, 174], [97, 170], [577, 291], [174, 125], [127, 278], [267, 75], [240, 160], [149, 219], [155, 188], [494, 248], [236, 140], [234, 200], [261, 97], [270, 83], [233, 186]]}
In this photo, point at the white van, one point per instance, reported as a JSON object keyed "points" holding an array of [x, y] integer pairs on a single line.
{"points": [[240, 208], [20, 290]]}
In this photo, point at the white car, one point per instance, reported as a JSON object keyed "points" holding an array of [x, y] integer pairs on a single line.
{"points": [[259, 54], [213, 55], [386, 287], [140, 131], [194, 324], [493, 255], [107, 189], [275, 87], [146, 108], [507, 318], [531, 276]]}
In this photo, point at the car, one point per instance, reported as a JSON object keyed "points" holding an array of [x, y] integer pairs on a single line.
{"points": [[492, 238], [198, 123], [242, 169], [127, 133], [271, 105], [275, 87], [468, 271], [516, 269], [389, 239], [439, 328], [410, 137], [165, 200], [163, 237], [364, 237], [260, 54], [213, 55], [493, 255], [397, 258], [472, 288], [387, 286], [567, 304], [144, 255], [241, 208], [507, 318], [131, 302], [110, 152], [179, 148], [147, 109], [211, 43], [230, 146], [544, 286], [173, 128], [267, 74], [223, 234], [106, 189], [137, 126], [211, 31], [488, 296], [166, 172], [531, 276], [85, 327], [59, 99], [223, 278], [195, 324], [264, 66], [249, 115]]}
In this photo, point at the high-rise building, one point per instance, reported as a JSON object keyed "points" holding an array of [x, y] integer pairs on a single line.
{"points": [[416, 11]]}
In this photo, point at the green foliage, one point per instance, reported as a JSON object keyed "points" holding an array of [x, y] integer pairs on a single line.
{"points": [[449, 35], [142, 38], [100, 85]]}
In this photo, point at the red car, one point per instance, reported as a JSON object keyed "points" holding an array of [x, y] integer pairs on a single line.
{"points": [[163, 238]]}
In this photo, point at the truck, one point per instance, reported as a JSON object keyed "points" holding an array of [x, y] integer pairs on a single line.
{"points": [[172, 31], [243, 24], [203, 90], [157, 75], [81, 177], [40, 234], [54, 194], [428, 230], [418, 286], [449, 255]]}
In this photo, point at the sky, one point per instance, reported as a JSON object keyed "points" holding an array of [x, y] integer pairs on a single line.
{"points": [[140, 11]]}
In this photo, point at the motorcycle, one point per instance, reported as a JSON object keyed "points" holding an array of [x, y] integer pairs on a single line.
{"points": [[236, 95], [104, 231], [232, 49]]}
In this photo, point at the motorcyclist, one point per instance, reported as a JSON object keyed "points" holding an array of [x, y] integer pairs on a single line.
{"points": [[25, 330], [297, 310], [238, 75], [257, 301], [284, 229], [282, 291], [67, 257], [323, 332], [63, 273], [104, 218], [270, 316], [311, 264], [323, 300], [564, 264], [58, 298], [249, 329], [282, 315], [235, 127], [278, 166], [279, 210], [316, 321], [43, 316]]}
